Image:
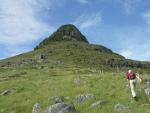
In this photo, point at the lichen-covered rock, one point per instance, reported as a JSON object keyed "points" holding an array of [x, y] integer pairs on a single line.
{"points": [[57, 99], [146, 89], [83, 98], [147, 92], [8, 92], [36, 108], [61, 108], [77, 80], [122, 108]]}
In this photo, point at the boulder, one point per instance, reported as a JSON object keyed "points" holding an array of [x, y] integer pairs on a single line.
{"points": [[83, 98], [122, 108], [147, 92], [77, 80], [146, 89], [36, 108], [7, 92], [61, 108], [57, 99], [148, 83]]}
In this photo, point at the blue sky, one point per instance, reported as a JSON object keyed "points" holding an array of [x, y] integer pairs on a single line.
{"points": [[121, 25]]}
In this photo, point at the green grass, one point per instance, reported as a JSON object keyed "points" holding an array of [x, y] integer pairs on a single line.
{"points": [[38, 82], [39, 85]]}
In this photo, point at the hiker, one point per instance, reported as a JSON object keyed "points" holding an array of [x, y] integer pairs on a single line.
{"points": [[131, 77]]}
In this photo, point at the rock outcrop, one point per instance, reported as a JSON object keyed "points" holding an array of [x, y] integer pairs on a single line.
{"points": [[61, 108]]}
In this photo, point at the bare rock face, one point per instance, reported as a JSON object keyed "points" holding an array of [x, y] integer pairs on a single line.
{"points": [[61, 108]]}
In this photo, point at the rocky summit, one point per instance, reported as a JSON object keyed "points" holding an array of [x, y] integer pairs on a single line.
{"points": [[66, 32]]}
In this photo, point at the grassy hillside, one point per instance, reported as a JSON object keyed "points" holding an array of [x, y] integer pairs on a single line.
{"points": [[70, 68], [74, 53], [31, 85]]}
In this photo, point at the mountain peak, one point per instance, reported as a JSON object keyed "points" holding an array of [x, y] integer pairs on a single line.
{"points": [[68, 32]]}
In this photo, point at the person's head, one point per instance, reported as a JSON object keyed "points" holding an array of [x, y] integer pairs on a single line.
{"points": [[129, 71]]}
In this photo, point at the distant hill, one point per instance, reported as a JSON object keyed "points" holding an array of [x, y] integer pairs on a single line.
{"points": [[68, 46]]}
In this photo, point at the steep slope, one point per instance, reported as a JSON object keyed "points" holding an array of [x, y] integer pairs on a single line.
{"points": [[69, 46]]}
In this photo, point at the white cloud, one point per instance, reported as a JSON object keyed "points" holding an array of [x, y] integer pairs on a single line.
{"points": [[127, 53], [146, 17], [87, 21], [142, 55], [20, 24], [134, 42], [131, 6], [82, 1], [128, 6]]}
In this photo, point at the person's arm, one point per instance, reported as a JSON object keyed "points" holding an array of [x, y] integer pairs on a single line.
{"points": [[138, 77], [127, 78]]}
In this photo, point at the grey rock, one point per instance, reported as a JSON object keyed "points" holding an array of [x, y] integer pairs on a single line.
{"points": [[83, 98], [122, 108], [7, 92], [148, 83], [77, 80], [146, 89], [59, 62], [58, 99], [98, 103], [147, 92], [36, 108], [61, 108]]}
